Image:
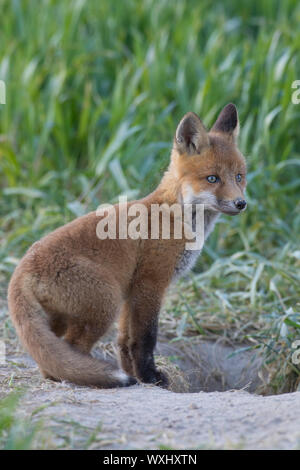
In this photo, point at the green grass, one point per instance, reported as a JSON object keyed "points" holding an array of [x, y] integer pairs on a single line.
{"points": [[94, 90], [16, 433]]}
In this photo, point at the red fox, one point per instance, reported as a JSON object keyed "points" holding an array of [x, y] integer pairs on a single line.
{"points": [[71, 286]]}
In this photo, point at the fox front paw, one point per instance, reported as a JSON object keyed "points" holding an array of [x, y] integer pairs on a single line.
{"points": [[156, 377]]}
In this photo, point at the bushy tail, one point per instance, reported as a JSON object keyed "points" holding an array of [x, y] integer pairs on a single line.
{"points": [[55, 356]]}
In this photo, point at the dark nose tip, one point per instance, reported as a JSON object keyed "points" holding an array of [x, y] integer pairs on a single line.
{"points": [[240, 204]]}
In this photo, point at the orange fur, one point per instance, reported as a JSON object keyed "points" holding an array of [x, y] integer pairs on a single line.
{"points": [[70, 286]]}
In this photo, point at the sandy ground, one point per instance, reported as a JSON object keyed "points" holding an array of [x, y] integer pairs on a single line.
{"points": [[148, 417], [220, 413]]}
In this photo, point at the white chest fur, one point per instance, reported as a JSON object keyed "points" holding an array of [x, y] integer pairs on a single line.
{"points": [[189, 257]]}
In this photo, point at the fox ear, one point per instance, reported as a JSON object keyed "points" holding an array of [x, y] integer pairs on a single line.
{"points": [[191, 136], [228, 122]]}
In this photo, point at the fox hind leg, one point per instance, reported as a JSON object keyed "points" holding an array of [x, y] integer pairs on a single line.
{"points": [[58, 325], [83, 335]]}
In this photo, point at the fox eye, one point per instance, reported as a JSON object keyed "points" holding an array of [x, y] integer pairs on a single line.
{"points": [[212, 178], [238, 178]]}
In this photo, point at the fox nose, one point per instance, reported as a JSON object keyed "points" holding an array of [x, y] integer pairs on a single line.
{"points": [[240, 204]]}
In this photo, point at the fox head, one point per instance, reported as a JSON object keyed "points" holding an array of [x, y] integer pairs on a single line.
{"points": [[208, 165]]}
